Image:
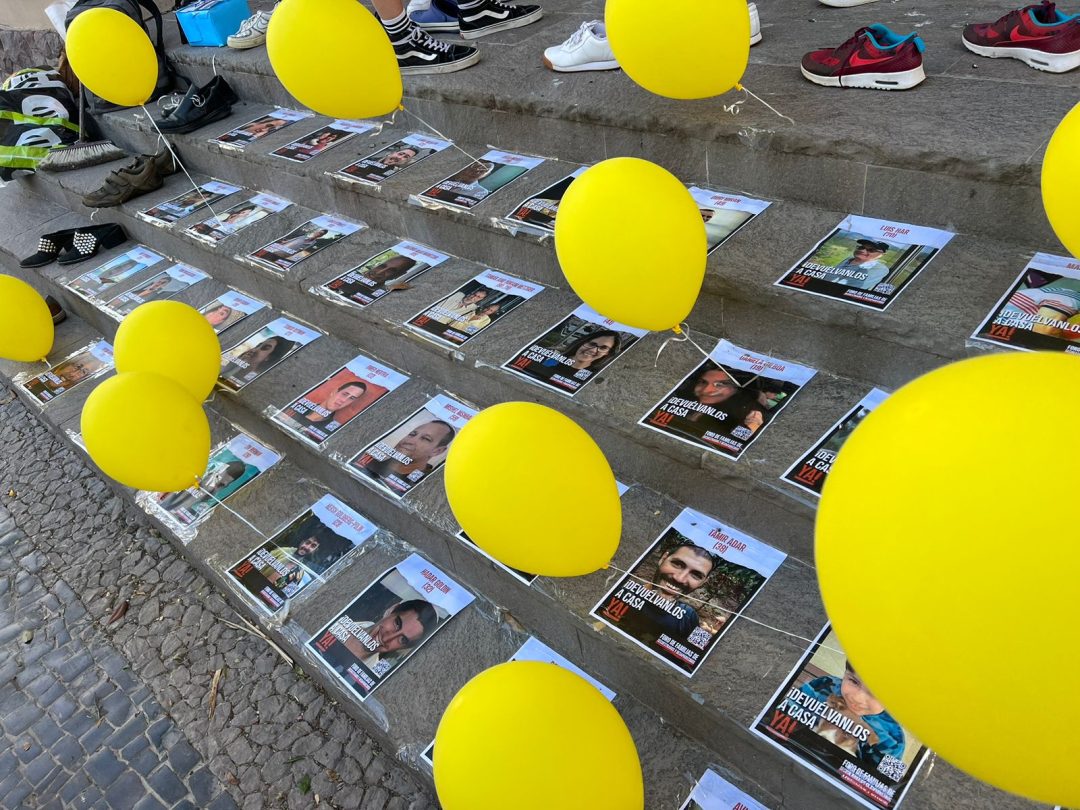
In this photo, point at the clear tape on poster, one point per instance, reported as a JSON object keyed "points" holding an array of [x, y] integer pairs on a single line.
{"points": [[99, 351], [270, 413], [278, 272]]}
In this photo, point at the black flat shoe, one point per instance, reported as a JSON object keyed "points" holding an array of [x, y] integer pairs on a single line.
{"points": [[49, 247], [199, 107], [88, 242]]}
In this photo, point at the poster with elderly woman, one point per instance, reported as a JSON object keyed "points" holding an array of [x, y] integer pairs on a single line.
{"points": [[229, 308], [471, 308], [261, 351], [684, 592], [233, 465], [574, 351], [301, 242], [866, 262], [319, 413], [388, 622], [392, 160], [725, 403], [468, 187], [305, 550], [235, 219]]}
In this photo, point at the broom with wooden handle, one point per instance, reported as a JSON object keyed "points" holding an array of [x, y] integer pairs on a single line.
{"points": [[82, 153]]}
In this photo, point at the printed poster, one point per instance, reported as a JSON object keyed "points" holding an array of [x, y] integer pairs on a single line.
{"points": [[825, 718], [689, 586], [301, 242], [535, 650], [188, 203], [724, 214], [1041, 311], [574, 351], [315, 143], [472, 307], [304, 551], [399, 460], [261, 351], [229, 309], [537, 213], [389, 621], [521, 576], [715, 793], [259, 127], [809, 472], [322, 411], [84, 364], [235, 219], [380, 166], [232, 467], [166, 284], [468, 187], [866, 262], [95, 283], [726, 402], [379, 274]]}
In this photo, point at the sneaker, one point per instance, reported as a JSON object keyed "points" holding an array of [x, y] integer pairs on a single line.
{"points": [[586, 49], [845, 3], [482, 17], [434, 15], [1039, 36], [875, 58], [123, 184], [252, 31], [755, 24], [422, 53]]}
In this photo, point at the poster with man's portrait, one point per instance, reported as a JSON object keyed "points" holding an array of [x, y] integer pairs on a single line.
{"points": [[186, 204], [825, 718], [378, 275], [301, 243], [326, 137], [258, 128], [170, 282], [391, 160], [468, 187], [79, 366], [93, 284], [388, 622], [302, 552], [537, 212], [681, 595]]}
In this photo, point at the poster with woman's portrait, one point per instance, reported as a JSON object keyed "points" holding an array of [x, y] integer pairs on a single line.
{"points": [[301, 242], [574, 351], [235, 219], [229, 308], [315, 143], [261, 351], [186, 204], [258, 128]]}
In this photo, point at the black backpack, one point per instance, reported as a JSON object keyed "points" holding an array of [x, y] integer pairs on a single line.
{"points": [[168, 78]]}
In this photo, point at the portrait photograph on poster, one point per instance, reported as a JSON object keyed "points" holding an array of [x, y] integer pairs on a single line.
{"points": [[301, 243], [258, 128], [235, 219], [84, 364], [376, 276], [261, 351], [229, 308], [537, 213], [724, 214], [315, 143], [93, 284], [166, 284], [468, 187], [186, 204], [390, 161]]}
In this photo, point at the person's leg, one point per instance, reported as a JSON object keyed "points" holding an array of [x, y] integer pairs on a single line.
{"points": [[416, 51]]}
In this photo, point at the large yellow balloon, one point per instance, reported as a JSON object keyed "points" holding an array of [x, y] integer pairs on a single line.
{"points": [[334, 57], [638, 263], [146, 432], [26, 327], [662, 58], [948, 558], [1061, 178], [171, 339], [112, 56], [529, 735], [513, 456]]}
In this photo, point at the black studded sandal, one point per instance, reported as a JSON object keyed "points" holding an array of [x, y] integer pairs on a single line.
{"points": [[88, 241], [49, 247]]}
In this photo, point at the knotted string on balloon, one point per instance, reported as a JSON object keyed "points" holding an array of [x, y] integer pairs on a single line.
{"points": [[682, 335], [180, 163], [407, 111], [736, 107], [231, 511]]}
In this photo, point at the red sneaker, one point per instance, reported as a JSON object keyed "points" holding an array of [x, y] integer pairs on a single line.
{"points": [[875, 58], [1039, 36]]}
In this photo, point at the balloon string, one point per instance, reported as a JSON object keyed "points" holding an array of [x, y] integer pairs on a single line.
{"points": [[444, 137], [732, 614], [764, 102], [233, 512], [682, 334], [180, 163]]}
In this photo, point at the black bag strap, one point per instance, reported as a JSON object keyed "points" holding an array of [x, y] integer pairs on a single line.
{"points": [[155, 14]]}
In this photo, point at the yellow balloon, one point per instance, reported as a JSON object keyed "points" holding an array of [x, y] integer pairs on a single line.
{"points": [[26, 327], [171, 339], [112, 56], [146, 432], [661, 59], [529, 735], [551, 461], [334, 57], [949, 569], [1060, 176], [638, 264]]}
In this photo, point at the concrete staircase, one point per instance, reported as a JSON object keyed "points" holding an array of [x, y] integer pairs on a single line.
{"points": [[907, 162]]}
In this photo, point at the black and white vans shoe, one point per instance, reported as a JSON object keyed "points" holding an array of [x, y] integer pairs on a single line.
{"points": [[479, 18], [422, 53]]}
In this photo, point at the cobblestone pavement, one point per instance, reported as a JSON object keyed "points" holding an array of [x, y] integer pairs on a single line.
{"points": [[112, 711]]}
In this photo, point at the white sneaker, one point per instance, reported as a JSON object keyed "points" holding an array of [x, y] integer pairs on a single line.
{"points": [[755, 24], [845, 3], [586, 49], [252, 31]]}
